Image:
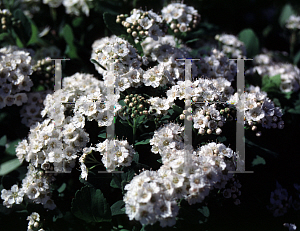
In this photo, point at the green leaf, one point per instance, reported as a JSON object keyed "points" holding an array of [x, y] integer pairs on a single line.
{"points": [[258, 160], [297, 58], [118, 208], [251, 144], [115, 28], [204, 210], [271, 83], [122, 103], [34, 33], [3, 141], [136, 157], [62, 188], [177, 109], [95, 62], [11, 148], [248, 37], [159, 161], [192, 40], [147, 141], [3, 35], [139, 120], [71, 49], [9, 166], [24, 32], [77, 21], [286, 12], [221, 139], [90, 205]]}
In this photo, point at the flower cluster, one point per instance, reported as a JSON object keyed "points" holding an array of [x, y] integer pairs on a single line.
{"points": [[291, 226], [72, 7], [91, 98], [141, 24], [258, 109], [151, 196], [217, 64], [180, 17], [207, 119], [232, 46], [31, 111], [15, 68], [36, 188], [115, 153], [293, 22], [33, 223], [127, 63], [289, 73]]}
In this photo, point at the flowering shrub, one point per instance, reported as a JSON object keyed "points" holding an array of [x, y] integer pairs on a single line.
{"points": [[111, 148]]}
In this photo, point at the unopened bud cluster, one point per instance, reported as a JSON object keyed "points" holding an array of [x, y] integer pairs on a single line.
{"points": [[44, 71], [136, 105], [141, 24], [180, 17], [7, 20]]}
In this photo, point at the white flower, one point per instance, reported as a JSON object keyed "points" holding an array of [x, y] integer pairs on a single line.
{"points": [[146, 23]]}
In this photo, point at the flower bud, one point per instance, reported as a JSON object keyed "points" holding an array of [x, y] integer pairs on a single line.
{"points": [[139, 28], [128, 30], [182, 116], [207, 117], [253, 128], [218, 131], [131, 104], [141, 32], [201, 131], [176, 31], [134, 34], [145, 112], [258, 134], [209, 131], [118, 20], [173, 26]]}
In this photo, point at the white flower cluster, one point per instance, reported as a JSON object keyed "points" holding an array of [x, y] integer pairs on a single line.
{"points": [[217, 65], [91, 98], [72, 7], [149, 43], [289, 73], [207, 119], [148, 199], [116, 153], [293, 22], [141, 24], [31, 111], [151, 196], [180, 17], [35, 186], [127, 65], [291, 226], [50, 145], [15, 68], [33, 223], [168, 55], [258, 108], [232, 46], [159, 105], [202, 90]]}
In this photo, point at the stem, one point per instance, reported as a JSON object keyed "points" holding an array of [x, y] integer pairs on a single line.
{"points": [[134, 131]]}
